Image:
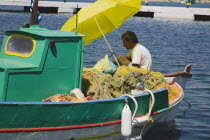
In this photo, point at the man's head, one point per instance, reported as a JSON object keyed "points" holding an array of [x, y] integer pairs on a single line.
{"points": [[129, 39]]}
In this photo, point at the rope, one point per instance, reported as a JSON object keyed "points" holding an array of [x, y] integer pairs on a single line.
{"points": [[136, 105], [153, 101], [187, 103], [149, 112]]}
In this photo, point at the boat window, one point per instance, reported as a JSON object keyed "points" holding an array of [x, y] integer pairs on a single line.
{"points": [[20, 45]]}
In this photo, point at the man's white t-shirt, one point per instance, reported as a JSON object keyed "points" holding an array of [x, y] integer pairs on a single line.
{"points": [[141, 56]]}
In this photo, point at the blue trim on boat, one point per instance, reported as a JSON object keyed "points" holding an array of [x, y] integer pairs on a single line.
{"points": [[70, 102]]}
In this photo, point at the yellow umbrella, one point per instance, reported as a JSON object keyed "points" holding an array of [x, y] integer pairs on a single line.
{"points": [[110, 14], [102, 17]]}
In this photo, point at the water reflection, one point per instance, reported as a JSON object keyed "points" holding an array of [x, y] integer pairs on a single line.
{"points": [[163, 131], [170, 130]]}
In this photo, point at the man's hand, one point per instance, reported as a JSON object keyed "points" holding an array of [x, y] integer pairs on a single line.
{"points": [[136, 65]]}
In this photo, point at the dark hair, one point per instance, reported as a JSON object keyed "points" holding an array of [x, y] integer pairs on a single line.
{"points": [[130, 36]]}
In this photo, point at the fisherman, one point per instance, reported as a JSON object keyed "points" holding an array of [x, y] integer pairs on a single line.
{"points": [[139, 56]]}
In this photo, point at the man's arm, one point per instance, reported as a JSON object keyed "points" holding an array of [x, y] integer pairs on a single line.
{"points": [[122, 60]]}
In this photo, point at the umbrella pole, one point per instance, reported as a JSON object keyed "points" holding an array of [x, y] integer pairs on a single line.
{"points": [[77, 12], [107, 42]]}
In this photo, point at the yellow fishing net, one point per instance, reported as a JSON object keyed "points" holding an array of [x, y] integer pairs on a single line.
{"points": [[172, 91], [58, 98], [97, 84]]}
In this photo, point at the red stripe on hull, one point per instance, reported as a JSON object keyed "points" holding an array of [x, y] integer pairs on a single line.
{"points": [[64, 127]]}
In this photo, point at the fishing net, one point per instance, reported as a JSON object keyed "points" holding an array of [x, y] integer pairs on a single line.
{"points": [[103, 86], [58, 98], [65, 97]]}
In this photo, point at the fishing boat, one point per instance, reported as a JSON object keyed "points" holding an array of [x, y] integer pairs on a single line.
{"points": [[36, 63]]}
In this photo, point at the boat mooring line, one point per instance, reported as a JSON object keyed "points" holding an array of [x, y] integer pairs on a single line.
{"points": [[187, 103], [135, 102]]}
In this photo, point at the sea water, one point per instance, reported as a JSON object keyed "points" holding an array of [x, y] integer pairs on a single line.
{"points": [[173, 44]]}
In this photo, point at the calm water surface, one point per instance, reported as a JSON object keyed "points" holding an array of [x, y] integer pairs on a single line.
{"points": [[173, 44]]}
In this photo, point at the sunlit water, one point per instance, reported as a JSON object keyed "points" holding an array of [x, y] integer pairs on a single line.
{"points": [[173, 44]]}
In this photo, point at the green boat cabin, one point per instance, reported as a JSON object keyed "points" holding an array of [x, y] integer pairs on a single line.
{"points": [[36, 63]]}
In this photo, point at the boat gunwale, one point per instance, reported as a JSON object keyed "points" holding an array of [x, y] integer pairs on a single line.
{"points": [[180, 99]]}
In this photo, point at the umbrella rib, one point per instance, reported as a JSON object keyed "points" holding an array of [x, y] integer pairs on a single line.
{"points": [[109, 20]]}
